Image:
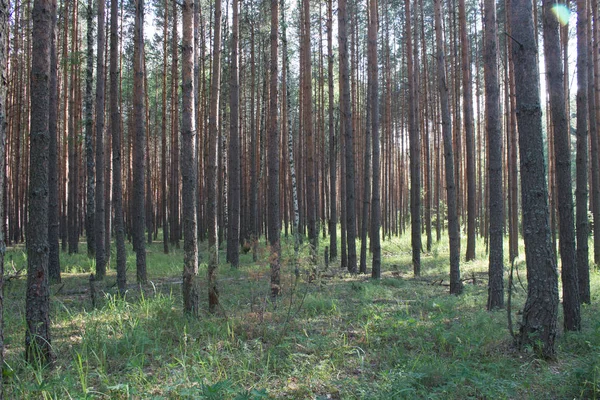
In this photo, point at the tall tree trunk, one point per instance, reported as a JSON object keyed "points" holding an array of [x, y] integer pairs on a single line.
{"points": [[538, 327], [163, 154], [115, 120], [174, 186], [38, 345], [307, 128], [290, 137], [346, 117], [4, 32], [374, 104], [212, 167], [332, 138], [469, 141], [253, 151], [139, 156], [415, 151], [90, 210], [494, 139], [101, 246], [562, 156], [451, 195], [235, 173], [581, 193], [73, 232], [191, 296], [274, 151], [53, 211]]}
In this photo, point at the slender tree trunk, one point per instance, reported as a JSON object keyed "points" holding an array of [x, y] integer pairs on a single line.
{"points": [[73, 233], [273, 155], [581, 193], [346, 116], [90, 210], [415, 151], [115, 120], [290, 137], [332, 139], [53, 211], [494, 137], [191, 296], [451, 195], [538, 327], [235, 173], [4, 32], [253, 151], [139, 156], [374, 104], [212, 167], [163, 154], [38, 345], [174, 186], [562, 156], [101, 246], [469, 141]]}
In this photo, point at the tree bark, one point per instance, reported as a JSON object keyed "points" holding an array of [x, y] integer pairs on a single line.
{"points": [[562, 157], [374, 104], [274, 150], [538, 327], [494, 140], [191, 296], [115, 119], [453, 226], [90, 209], [53, 211], [101, 246], [139, 156], [332, 139], [212, 167], [4, 32], [38, 344], [346, 117], [581, 192], [235, 173], [415, 150]]}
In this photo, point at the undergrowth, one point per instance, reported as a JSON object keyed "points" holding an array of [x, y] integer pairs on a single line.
{"points": [[330, 335]]}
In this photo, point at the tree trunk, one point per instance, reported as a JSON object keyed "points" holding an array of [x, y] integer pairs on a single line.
{"points": [[332, 139], [415, 151], [581, 193], [562, 156], [53, 211], [101, 246], [274, 150], [494, 138], [139, 156], [212, 167], [191, 296], [538, 327], [235, 173], [115, 120], [453, 226], [90, 210], [73, 232], [374, 104], [346, 117], [163, 154], [469, 141], [4, 32], [38, 345], [174, 186]]}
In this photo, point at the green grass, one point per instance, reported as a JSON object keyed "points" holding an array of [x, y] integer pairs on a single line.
{"points": [[331, 335]]}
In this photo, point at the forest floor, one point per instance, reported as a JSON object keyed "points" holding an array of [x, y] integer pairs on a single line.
{"points": [[331, 335]]}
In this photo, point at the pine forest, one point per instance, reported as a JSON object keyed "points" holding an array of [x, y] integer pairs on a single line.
{"points": [[299, 199]]}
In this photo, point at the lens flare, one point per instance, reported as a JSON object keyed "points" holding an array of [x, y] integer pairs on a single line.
{"points": [[562, 13]]}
